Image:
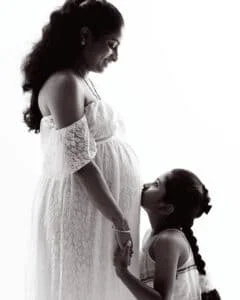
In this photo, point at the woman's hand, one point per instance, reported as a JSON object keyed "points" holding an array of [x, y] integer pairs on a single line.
{"points": [[122, 233], [122, 258]]}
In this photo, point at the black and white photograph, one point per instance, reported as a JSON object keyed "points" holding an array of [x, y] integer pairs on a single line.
{"points": [[120, 149]]}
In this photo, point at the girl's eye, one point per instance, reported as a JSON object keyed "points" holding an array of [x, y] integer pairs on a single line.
{"points": [[156, 183]]}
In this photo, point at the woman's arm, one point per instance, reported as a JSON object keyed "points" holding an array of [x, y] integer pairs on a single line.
{"points": [[65, 98], [93, 179]]}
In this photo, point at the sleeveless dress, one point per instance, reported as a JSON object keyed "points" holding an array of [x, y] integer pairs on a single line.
{"points": [[72, 247], [187, 284]]}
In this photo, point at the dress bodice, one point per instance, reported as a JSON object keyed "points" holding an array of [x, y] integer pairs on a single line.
{"points": [[103, 122]]}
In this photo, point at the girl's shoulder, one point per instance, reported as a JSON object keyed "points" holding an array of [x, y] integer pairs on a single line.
{"points": [[167, 236], [170, 235], [174, 240]]}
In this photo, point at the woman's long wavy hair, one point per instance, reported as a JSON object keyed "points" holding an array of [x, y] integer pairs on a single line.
{"points": [[60, 48], [190, 199]]}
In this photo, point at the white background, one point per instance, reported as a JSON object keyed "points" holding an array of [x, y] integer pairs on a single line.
{"points": [[176, 83]]}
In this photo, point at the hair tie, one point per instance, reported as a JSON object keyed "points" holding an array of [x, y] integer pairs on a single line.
{"points": [[86, 2]]}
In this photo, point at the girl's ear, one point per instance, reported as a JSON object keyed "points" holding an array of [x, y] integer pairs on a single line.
{"points": [[166, 208]]}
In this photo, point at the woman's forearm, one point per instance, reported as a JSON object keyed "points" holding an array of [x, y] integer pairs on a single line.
{"points": [[140, 290], [93, 179]]}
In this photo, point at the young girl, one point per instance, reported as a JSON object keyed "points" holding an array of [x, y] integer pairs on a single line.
{"points": [[171, 267]]}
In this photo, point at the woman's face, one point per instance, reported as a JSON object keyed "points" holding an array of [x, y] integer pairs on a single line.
{"points": [[99, 53], [153, 194]]}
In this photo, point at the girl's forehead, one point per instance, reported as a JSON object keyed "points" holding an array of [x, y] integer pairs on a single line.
{"points": [[162, 178]]}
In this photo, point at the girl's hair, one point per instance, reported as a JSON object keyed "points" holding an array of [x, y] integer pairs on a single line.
{"points": [[190, 199], [60, 46]]}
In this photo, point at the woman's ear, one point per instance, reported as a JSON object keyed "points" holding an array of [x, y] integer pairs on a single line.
{"points": [[170, 209], [86, 35]]}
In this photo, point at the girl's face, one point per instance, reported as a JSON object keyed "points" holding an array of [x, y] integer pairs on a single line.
{"points": [[153, 194]]}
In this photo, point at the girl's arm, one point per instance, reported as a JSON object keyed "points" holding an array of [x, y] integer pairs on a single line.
{"points": [[140, 290], [166, 253]]}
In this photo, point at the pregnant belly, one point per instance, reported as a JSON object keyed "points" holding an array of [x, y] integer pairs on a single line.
{"points": [[118, 163]]}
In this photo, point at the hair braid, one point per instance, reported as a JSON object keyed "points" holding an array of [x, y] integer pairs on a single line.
{"points": [[193, 243]]}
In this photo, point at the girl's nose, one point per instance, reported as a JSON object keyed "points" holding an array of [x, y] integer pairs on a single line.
{"points": [[146, 186]]}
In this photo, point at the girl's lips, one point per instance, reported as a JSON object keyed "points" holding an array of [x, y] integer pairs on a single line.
{"points": [[141, 202]]}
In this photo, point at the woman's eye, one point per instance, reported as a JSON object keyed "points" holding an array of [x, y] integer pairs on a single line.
{"points": [[112, 45]]}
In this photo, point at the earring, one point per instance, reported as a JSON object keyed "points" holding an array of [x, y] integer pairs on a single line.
{"points": [[83, 43]]}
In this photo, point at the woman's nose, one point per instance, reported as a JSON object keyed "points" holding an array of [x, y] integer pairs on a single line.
{"points": [[114, 56]]}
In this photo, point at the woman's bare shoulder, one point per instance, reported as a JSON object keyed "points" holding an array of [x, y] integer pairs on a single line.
{"points": [[62, 80], [64, 96]]}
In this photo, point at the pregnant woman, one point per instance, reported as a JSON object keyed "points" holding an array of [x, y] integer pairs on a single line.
{"points": [[89, 189]]}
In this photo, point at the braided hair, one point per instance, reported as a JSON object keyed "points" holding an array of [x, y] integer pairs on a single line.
{"points": [[60, 46], [195, 249], [190, 199], [187, 229]]}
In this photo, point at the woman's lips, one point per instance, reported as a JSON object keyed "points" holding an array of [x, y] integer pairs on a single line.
{"points": [[105, 63]]}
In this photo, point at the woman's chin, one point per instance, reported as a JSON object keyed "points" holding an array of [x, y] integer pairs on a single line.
{"points": [[99, 69]]}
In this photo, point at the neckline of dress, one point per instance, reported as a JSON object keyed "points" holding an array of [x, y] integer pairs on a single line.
{"points": [[92, 88], [88, 105]]}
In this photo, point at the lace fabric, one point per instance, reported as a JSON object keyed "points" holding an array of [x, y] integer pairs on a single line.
{"points": [[72, 244]]}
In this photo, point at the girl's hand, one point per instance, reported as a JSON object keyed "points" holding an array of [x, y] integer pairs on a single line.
{"points": [[123, 238], [122, 258]]}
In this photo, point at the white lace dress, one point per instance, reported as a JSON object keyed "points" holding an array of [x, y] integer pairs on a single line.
{"points": [[72, 242]]}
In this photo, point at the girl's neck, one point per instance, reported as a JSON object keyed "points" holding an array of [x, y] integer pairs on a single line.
{"points": [[160, 223], [156, 221]]}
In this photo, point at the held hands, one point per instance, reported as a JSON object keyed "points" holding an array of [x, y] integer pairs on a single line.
{"points": [[122, 233], [124, 251], [122, 258], [123, 237]]}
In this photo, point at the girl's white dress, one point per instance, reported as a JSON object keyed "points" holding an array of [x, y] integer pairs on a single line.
{"points": [[189, 284], [71, 255]]}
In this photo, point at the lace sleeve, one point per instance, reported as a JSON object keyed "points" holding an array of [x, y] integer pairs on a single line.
{"points": [[78, 145]]}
